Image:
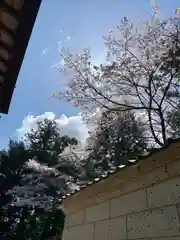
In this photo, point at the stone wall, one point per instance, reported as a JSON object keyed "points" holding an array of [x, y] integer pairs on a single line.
{"points": [[138, 202]]}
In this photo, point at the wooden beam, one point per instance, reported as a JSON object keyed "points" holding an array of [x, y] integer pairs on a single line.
{"points": [[5, 46], [3, 60], [2, 74], [8, 30], [10, 10]]}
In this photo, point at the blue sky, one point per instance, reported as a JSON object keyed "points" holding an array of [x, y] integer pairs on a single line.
{"points": [[85, 21]]}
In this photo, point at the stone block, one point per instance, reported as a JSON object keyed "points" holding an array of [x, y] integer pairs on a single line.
{"points": [[157, 175], [85, 232], [113, 229], [131, 202], [66, 234], [165, 193], [162, 222], [75, 218], [173, 168], [97, 212]]}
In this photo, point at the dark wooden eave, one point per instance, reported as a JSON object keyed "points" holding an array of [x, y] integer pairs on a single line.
{"points": [[17, 18]]}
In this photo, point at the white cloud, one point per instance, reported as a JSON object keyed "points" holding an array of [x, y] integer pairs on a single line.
{"points": [[72, 126], [68, 38]]}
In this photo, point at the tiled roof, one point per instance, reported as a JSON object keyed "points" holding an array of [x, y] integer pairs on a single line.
{"points": [[121, 168]]}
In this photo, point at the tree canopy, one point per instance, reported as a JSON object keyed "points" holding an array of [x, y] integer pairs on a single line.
{"points": [[141, 74], [33, 178], [118, 137]]}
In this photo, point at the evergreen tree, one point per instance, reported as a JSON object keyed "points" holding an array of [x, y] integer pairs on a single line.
{"points": [[11, 174], [117, 138], [33, 178]]}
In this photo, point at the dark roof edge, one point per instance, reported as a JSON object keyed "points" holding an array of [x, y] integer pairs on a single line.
{"points": [[23, 34]]}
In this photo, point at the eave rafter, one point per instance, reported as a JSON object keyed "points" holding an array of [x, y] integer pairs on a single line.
{"points": [[17, 18], [15, 13]]}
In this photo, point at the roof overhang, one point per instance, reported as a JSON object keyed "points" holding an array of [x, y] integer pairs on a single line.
{"points": [[17, 18]]}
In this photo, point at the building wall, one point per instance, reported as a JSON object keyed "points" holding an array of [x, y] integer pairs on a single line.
{"points": [[145, 205]]}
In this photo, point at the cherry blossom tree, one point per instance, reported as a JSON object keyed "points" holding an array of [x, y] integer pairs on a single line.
{"points": [[141, 73], [47, 175]]}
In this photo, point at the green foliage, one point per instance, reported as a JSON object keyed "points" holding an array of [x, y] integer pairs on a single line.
{"points": [[118, 138], [45, 225], [11, 169], [46, 143], [29, 194], [89, 168], [174, 122]]}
